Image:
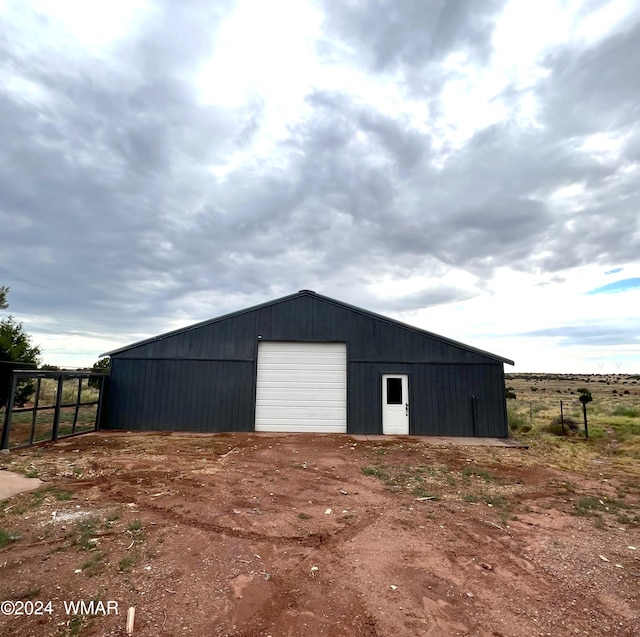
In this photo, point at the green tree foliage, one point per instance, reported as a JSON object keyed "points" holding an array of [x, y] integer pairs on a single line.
{"points": [[101, 366], [585, 396], [16, 347]]}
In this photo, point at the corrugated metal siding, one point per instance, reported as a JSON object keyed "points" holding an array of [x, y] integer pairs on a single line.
{"points": [[174, 395], [233, 338], [203, 379], [440, 399]]}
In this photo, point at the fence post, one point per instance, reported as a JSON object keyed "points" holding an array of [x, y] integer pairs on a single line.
{"points": [[562, 417], [101, 399], [78, 400], [4, 443], [56, 413], [34, 416]]}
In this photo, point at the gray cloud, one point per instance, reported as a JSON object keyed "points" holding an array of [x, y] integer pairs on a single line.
{"points": [[113, 220], [585, 334], [390, 33]]}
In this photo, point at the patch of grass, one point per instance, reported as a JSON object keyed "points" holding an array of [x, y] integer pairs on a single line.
{"points": [[135, 526], [33, 500], [567, 487], [85, 530], [475, 471], [419, 492], [30, 472], [38, 496], [304, 516], [589, 505], [6, 537], [627, 411], [128, 562], [94, 566], [492, 499], [377, 472], [517, 420], [495, 500], [75, 625]]}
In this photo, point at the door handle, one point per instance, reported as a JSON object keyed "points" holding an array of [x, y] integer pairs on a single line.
{"points": [[406, 408]]}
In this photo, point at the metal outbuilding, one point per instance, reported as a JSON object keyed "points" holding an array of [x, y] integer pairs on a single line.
{"points": [[307, 363]]}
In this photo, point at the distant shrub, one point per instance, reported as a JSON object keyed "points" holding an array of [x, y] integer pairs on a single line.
{"points": [[569, 423], [628, 412], [517, 420]]}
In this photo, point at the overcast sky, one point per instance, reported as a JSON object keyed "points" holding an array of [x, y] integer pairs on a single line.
{"points": [[471, 167]]}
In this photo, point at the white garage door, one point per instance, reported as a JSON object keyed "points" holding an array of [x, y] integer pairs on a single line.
{"points": [[302, 387]]}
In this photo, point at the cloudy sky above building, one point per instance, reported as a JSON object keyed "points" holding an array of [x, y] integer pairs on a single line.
{"points": [[469, 167]]}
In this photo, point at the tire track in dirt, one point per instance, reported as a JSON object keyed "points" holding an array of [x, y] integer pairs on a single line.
{"points": [[322, 538]]}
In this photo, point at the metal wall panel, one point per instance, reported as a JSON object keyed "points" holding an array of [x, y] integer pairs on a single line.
{"points": [[173, 395], [204, 378], [440, 399]]}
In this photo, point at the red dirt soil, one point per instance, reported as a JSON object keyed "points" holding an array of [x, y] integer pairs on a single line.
{"points": [[286, 535]]}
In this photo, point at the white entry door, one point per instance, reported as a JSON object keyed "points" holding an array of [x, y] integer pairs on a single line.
{"points": [[395, 404]]}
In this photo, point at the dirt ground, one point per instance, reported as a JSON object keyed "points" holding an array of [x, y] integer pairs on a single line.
{"points": [[288, 535]]}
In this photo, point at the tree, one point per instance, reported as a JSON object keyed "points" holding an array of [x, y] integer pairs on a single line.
{"points": [[102, 366], [16, 347]]}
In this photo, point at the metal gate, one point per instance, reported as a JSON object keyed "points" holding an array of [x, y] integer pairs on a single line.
{"points": [[57, 408]]}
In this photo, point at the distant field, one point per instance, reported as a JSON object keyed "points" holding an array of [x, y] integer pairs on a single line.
{"points": [[613, 415]]}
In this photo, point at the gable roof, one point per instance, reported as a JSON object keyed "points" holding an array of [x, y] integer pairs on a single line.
{"points": [[327, 299]]}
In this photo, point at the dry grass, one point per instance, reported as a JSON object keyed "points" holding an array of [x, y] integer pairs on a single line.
{"points": [[613, 417]]}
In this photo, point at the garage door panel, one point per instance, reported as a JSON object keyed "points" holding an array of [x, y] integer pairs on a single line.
{"points": [[308, 392], [294, 426], [301, 387], [300, 378]]}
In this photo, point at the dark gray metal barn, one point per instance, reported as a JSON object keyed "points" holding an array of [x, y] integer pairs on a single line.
{"points": [[306, 362]]}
